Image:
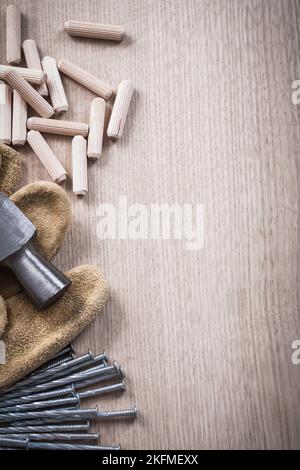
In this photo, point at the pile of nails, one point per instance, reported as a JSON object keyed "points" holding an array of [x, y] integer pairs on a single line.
{"points": [[43, 410]]}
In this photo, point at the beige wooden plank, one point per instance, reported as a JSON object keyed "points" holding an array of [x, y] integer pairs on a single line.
{"points": [[205, 337]]}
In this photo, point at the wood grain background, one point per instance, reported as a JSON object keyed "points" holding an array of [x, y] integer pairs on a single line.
{"points": [[205, 337]]}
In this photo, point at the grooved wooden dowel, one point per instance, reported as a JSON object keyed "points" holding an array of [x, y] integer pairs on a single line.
{"points": [[86, 79], [120, 110], [36, 77], [5, 113], [79, 164], [55, 86], [95, 30], [46, 156], [33, 61], [56, 126], [97, 115], [29, 94], [13, 35], [19, 129]]}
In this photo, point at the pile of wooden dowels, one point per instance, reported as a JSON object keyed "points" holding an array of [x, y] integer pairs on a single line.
{"points": [[20, 87], [43, 411]]}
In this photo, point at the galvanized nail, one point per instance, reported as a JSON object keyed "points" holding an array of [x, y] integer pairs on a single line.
{"points": [[88, 413], [75, 399], [67, 350], [131, 413], [69, 390], [55, 446], [95, 380], [36, 405], [55, 436], [45, 422], [102, 390], [14, 443], [58, 362], [45, 376], [89, 373], [50, 428]]}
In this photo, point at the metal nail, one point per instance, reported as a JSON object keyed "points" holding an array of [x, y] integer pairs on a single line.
{"points": [[71, 415], [102, 390], [75, 399], [58, 367], [44, 422], [89, 373], [15, 443], [95, 380], [45, 376], [36, 405], [50, 365], [46, 397], [56, 436], [54, 446], [57, 362], [64, 355], [131, 413], [69, 390], [67, 350], [51, 428]]}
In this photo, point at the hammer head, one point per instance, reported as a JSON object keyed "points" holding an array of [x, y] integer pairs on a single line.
{"points": [[15, 228], [43, 282]]}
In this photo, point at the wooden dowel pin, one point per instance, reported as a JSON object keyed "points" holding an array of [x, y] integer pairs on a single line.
{"points": [[55, 86], [33, 61], [36, 77], [79, 164], [86, 79], [120, 110], [30, 95], [19, 128], [87, 29], [13, 35], [5, 113], [57, 126], [97, 115], [46, 156]]}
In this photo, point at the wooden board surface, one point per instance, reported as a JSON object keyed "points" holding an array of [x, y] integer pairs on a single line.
{"points": [[204, 336]]}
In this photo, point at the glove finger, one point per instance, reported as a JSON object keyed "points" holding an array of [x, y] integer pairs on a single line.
{"points": [[10, 169]]}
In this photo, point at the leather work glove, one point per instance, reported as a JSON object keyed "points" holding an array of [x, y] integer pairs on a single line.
{"points": [[32, 337]]}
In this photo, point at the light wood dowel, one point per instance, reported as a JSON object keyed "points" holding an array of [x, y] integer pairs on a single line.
{"points": [[79, 164], [86, 79], [36, 77], [33, 61], [55, 86], [120, 110], [13, 35], [58, 127], [46, 156], [5, 113], [36, 101], [97, 115], [19, 128], [95, 30]]}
